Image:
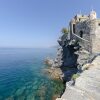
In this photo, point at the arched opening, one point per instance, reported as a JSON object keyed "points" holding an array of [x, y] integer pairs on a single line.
{"points": [[81, 34]]}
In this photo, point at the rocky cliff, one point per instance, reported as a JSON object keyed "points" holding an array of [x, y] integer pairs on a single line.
{"points": [[66, 59], [87, 86], [74, 61]]}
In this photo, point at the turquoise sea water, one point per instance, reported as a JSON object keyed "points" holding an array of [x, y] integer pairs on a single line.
{"points": [[22, 77]]}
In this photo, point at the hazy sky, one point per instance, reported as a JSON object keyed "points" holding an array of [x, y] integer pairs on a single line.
{"points": [[37, 23]]}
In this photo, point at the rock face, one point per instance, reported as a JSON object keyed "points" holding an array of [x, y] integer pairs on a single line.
{"points": [[78, 54], [66, 59], [87, 86], [67, 54], [54, 73]]}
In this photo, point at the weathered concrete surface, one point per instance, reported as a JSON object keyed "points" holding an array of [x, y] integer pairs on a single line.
{"points": [[87, 86]]}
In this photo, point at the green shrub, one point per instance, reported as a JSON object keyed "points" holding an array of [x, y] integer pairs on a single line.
{"points": [[65, 30], [75, 76]]}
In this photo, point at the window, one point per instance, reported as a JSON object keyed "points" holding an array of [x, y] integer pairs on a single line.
{"points": [[81, 34], [98, 24], [73, 28]]}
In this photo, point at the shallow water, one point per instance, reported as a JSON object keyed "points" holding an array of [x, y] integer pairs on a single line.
{"points": [[22, 77]]}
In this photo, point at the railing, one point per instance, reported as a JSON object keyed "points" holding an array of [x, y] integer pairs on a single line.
{"points": [[80, 38]]}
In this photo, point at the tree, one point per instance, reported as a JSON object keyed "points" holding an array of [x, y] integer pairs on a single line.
{"points": [[64, 30]]}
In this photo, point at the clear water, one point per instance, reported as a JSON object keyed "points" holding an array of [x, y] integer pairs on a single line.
{"points": [[22, 77]]}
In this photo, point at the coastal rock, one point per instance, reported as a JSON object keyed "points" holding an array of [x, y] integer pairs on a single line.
{"points": [[87, 86], [54, 73], [49, 61], [67, 55], [80, 57]]}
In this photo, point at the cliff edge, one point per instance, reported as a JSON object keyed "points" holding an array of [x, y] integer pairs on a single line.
{"points": [[87, 86], [78, 58]]}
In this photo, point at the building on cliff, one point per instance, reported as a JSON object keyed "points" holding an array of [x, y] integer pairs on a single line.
{"points": [[81, 49], [86, 29], [83, 35]]}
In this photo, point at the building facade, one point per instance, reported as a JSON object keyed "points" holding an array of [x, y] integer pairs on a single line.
{"points": [[86, 29]]}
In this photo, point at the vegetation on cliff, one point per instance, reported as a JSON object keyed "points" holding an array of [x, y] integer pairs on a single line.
{"points": [[65, 30]]}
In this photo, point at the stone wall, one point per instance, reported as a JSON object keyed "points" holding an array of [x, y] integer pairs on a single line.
{"points": [[82, 29], [95, 38], [88, 35]]}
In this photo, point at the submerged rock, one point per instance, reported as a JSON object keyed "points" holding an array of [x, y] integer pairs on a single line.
{"points": [[9, 98], [20, 91]]}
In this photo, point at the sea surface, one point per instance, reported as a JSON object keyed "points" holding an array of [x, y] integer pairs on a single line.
{"points": [[22, 76]]}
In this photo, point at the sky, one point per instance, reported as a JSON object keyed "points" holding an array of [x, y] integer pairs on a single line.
{"points": [[37, 23]]}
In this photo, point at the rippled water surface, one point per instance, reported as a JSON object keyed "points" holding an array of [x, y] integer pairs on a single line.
{"points": [[22, 77]]}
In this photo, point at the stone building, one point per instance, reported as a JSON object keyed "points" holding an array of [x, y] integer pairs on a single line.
{"points": [[83, 35], [86, 29]]}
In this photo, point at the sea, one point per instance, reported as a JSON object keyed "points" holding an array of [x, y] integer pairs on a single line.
{"points": [[22, 76]]}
